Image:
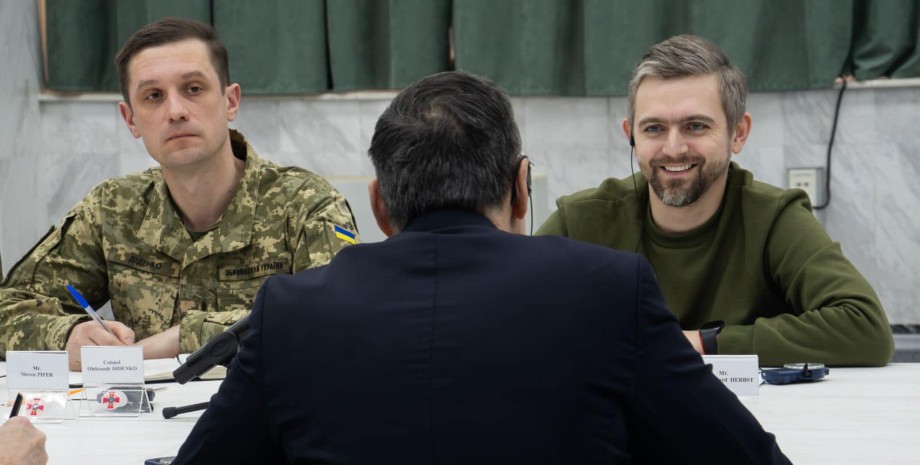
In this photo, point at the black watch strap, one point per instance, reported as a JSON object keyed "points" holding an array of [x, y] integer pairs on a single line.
{"points": [[709, 334]]}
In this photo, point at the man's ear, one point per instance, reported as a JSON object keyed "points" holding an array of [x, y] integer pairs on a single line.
{"points": [[627, 131], [512, 219], [521, 190], [381, 214], [741, 133], [128, 115], [233, 94]]}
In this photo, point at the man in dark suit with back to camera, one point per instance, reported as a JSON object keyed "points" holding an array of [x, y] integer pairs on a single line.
{"points": [[454, 342]]}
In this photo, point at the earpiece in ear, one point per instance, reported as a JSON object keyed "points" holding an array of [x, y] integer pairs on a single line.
{"points": [[529, 184], [514, 183], [632, 141]]}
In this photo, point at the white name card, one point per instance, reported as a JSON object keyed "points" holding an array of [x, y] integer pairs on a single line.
{"points": [[104, 365], [739, 373], [37, 371]]}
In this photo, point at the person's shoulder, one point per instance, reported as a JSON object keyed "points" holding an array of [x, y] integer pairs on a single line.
{"points": [[311, 281], [581, 268], [290, 181], [610, 190], [764, 197], [609, 214], [128, 189], [579, 253]]}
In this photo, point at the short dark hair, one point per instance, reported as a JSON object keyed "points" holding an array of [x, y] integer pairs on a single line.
{"points": [[167, 31], [449, 140], [688, 55]]}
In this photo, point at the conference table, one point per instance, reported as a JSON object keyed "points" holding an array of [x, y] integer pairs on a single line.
{"points": [[854, 416]]}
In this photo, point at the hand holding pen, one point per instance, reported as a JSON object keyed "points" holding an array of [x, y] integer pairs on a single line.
{"points": [[86, 307], [94, 333]]}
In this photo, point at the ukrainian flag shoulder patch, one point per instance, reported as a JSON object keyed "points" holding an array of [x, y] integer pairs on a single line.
{"points": [[345, 235]]}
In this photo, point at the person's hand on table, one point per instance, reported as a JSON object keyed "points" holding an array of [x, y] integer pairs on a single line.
{"points": [[162, 345], [89, 333], [21, 443]]}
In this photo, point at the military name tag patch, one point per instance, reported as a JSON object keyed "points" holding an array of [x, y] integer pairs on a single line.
{"points": [[255, 270], [146, 263]]}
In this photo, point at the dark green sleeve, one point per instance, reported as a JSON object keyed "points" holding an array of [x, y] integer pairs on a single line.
{"points": [[837, 317], [555, 224]]}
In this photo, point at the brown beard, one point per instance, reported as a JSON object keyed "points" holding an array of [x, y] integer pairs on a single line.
{"points": [[679, 193]]}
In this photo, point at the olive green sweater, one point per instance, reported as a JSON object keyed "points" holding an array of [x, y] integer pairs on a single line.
{"points": [[763, 264]]}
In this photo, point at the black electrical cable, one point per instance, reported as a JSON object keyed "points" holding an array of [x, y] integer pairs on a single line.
{"points": [[830, 147]]}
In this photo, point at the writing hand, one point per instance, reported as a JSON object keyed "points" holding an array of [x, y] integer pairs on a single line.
{"points": [[89, 333]]}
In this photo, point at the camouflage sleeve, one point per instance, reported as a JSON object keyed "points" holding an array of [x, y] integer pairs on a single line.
{"points": [[197, 328], [36, 312], [320, 224]]}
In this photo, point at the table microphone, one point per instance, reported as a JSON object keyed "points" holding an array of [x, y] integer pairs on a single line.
{"points": [[170, 412], [220, 350]]}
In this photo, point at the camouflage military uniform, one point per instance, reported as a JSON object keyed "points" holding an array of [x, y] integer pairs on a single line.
{"points": [[126, 242]]}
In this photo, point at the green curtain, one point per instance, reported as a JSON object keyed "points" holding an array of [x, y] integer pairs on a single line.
{"points": [[534, 47], [275, 46], [84, 35], [886, 40], [79, 42], [386, 44], [588, 47], [546, 47]]}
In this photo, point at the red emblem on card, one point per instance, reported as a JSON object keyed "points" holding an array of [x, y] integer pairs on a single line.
{"points": [[112, 400], [35, 406]]}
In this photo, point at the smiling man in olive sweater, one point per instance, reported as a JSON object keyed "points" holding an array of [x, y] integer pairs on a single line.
{"points": [[745, 266]]}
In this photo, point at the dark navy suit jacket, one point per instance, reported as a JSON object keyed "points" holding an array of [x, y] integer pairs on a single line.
{"points": [[456, 343]]}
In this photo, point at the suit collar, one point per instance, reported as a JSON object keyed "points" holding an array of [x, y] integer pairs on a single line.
{"points": [[444, 218]]}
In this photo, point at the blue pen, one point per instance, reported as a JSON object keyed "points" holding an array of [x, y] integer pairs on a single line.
{"points": [[83, 303]]}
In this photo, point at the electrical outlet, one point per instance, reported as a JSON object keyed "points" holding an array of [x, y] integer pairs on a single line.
{"points": [[807, 179]]}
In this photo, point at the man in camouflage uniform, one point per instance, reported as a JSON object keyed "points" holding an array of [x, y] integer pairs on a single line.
{"points": [[182, 249]]}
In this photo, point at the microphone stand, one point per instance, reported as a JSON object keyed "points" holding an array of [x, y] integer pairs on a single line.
{"points": [[220, 350], [170, 412]]}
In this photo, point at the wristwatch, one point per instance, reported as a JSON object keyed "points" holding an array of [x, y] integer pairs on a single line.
{"points": [[708, 336]]}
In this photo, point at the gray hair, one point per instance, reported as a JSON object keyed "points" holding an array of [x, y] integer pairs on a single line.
{"points": [[689, 55]]}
